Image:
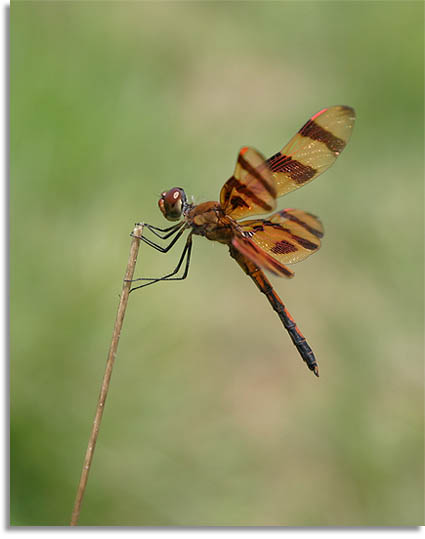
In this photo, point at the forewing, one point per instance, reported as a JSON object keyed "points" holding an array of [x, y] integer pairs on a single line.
{"points": [[288, 236], [313, 149], [252, 188]]}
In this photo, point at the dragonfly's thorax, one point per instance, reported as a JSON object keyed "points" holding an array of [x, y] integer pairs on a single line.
{"points": [[208, 219]]}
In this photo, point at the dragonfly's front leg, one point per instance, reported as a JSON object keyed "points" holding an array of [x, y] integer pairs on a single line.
{"points": [[177, 230], [155, 229], [185, 254]]}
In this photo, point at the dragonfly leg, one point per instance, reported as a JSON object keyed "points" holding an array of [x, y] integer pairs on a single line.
{"points": [[178, 232], [185, 254], [264, 285], [155, 230]]}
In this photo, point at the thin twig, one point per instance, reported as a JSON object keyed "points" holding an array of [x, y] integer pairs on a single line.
{"points": [[137, 232]]}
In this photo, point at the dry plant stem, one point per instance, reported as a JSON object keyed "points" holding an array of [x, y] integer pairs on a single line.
{"points": [[137, 232]]}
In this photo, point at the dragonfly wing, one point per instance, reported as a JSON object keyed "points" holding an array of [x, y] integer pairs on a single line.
{"points": [[252, 188], [313, 149], [288, 236], [261, 258]]}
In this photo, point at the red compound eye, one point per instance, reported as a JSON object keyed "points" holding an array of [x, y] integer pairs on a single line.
{"points": [[171, 203]]}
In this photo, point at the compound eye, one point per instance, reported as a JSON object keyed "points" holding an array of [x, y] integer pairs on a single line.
{"points": [[171, 203]]}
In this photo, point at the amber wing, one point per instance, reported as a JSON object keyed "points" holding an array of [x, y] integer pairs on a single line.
{"points": [[286, 237], [259, 256], [252, 188], [313, 149]]}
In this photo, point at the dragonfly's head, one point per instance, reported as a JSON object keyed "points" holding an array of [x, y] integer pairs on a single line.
{"points": [[173, 203]]}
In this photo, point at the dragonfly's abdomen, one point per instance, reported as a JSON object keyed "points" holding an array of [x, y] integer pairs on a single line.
{"points": [[266, 288]]}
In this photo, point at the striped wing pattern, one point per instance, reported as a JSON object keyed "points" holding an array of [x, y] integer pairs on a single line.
{"points": [[252, 188], [259, 256], [287, 237], [313, 149]]}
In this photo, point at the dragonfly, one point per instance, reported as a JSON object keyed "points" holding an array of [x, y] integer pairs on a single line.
{"points": [[285, 237]]}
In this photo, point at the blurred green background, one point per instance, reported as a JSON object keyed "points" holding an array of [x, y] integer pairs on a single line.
{"points": [[212, 418]]}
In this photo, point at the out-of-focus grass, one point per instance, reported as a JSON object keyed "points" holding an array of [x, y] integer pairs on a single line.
{"points": [[212, 419]]}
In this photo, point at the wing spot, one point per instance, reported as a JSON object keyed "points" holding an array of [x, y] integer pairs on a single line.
{"points": [[295, 219], [314, 131], [294, 169], [238, 202], [283, 247], [309, 245]]}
